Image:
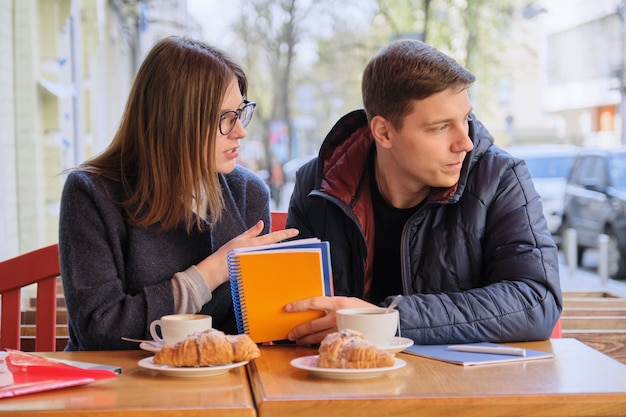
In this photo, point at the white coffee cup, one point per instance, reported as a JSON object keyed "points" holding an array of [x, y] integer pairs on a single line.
{"points": [[378, 326], [176, 327]]}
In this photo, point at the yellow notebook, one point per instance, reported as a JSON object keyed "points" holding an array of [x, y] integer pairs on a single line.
{"points": [[264, 279]]}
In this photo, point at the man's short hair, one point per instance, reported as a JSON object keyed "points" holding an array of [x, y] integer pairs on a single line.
{"points": [[404, 71]]}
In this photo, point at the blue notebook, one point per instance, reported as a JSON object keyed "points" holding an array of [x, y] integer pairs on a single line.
{"points": [[263, 279], [444, 353]]}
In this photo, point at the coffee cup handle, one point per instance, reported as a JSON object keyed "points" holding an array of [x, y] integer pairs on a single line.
{"points": [[153, 331], [398, 329]]}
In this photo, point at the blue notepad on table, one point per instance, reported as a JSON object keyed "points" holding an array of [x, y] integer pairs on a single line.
{"points": [[444, 353]]}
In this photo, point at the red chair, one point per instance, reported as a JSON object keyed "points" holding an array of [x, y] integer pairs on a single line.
{"points": [[39, 267], [557, 332], [278, 219]]}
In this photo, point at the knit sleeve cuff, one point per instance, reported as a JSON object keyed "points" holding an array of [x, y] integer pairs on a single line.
{"points": [[191, 291]]}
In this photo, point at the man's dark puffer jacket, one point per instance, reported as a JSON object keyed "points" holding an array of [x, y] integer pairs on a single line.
{"points": [[480, 263]]}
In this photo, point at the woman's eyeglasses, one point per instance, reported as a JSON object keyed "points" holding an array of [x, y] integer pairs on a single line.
{"points": [[228, 119]]}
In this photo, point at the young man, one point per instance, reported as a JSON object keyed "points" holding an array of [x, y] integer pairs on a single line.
{"points": [[415, 199]]}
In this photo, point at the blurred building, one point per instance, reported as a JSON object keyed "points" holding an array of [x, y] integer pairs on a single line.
{"points": [[584, 69], [567, 80], [66, 67], [519, 116]]}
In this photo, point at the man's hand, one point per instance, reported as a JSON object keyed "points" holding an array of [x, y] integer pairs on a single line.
{"points": [[314, 331]]}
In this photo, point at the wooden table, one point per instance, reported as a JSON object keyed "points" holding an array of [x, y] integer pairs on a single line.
{"points": [[578, 381], [138, 392]]}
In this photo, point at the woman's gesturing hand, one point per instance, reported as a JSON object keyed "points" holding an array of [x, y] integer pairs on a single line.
{"points": [[214, 268]]}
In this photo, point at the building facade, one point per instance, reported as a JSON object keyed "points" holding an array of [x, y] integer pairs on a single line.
{"points": [[584, 69], [66, 67]]}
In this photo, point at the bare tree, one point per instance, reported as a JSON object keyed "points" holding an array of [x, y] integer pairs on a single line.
{"points": [[406, 18], [270, 32], [274, 33], [474, 32]]}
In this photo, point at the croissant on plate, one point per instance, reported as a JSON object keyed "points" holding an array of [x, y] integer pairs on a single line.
{"points": [[349, 349], [210, 347]]}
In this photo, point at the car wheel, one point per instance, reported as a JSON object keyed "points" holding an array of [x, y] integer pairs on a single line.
{"points": [[616, 262]]}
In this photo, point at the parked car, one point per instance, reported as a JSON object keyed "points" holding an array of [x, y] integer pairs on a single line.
{"points": [[549, 165], [595, 203]]}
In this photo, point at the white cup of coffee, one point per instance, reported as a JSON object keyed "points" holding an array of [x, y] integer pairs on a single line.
{"points": [[176, 327], [377, 325]]}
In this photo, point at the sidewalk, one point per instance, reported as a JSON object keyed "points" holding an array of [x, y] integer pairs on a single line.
{"points": [[586, 278]]}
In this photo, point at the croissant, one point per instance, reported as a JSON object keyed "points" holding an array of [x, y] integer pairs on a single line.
{"points": [[210, 347], [349, 349]]}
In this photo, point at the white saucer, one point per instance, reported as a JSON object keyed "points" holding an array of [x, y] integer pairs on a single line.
{"points": [[309, 363], [148, 363], [153, 347], [398, 344]]}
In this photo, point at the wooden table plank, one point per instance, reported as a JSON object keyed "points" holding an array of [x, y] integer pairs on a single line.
{"points": [[594, 302], [579, 381], [609, 342], [137, 392], [593, 323], [589, 294], [598, 311]]}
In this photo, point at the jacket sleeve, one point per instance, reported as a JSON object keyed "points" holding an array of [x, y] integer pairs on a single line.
{"points": [[499, 262]]}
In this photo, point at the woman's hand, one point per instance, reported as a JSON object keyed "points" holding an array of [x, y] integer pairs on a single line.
{"points": [[314, 331], [214, 268]]}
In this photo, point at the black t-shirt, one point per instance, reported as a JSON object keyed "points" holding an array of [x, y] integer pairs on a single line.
{"points": [[389, 223]]}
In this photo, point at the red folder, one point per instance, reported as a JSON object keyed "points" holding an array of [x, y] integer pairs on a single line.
{"points": [[22, 373]]}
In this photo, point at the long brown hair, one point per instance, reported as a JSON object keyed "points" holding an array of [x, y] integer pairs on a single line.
{"points": [[163, 152]]}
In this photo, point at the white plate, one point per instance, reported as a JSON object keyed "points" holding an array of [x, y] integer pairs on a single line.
{"points": [[148, 363], [398, 345], [309, 363], [151, 346]]}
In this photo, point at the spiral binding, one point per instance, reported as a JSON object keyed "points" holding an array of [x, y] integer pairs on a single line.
{"points": [[237, 294]]}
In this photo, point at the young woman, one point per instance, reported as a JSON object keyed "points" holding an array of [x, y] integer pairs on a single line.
{"points": [[146, 225]]}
